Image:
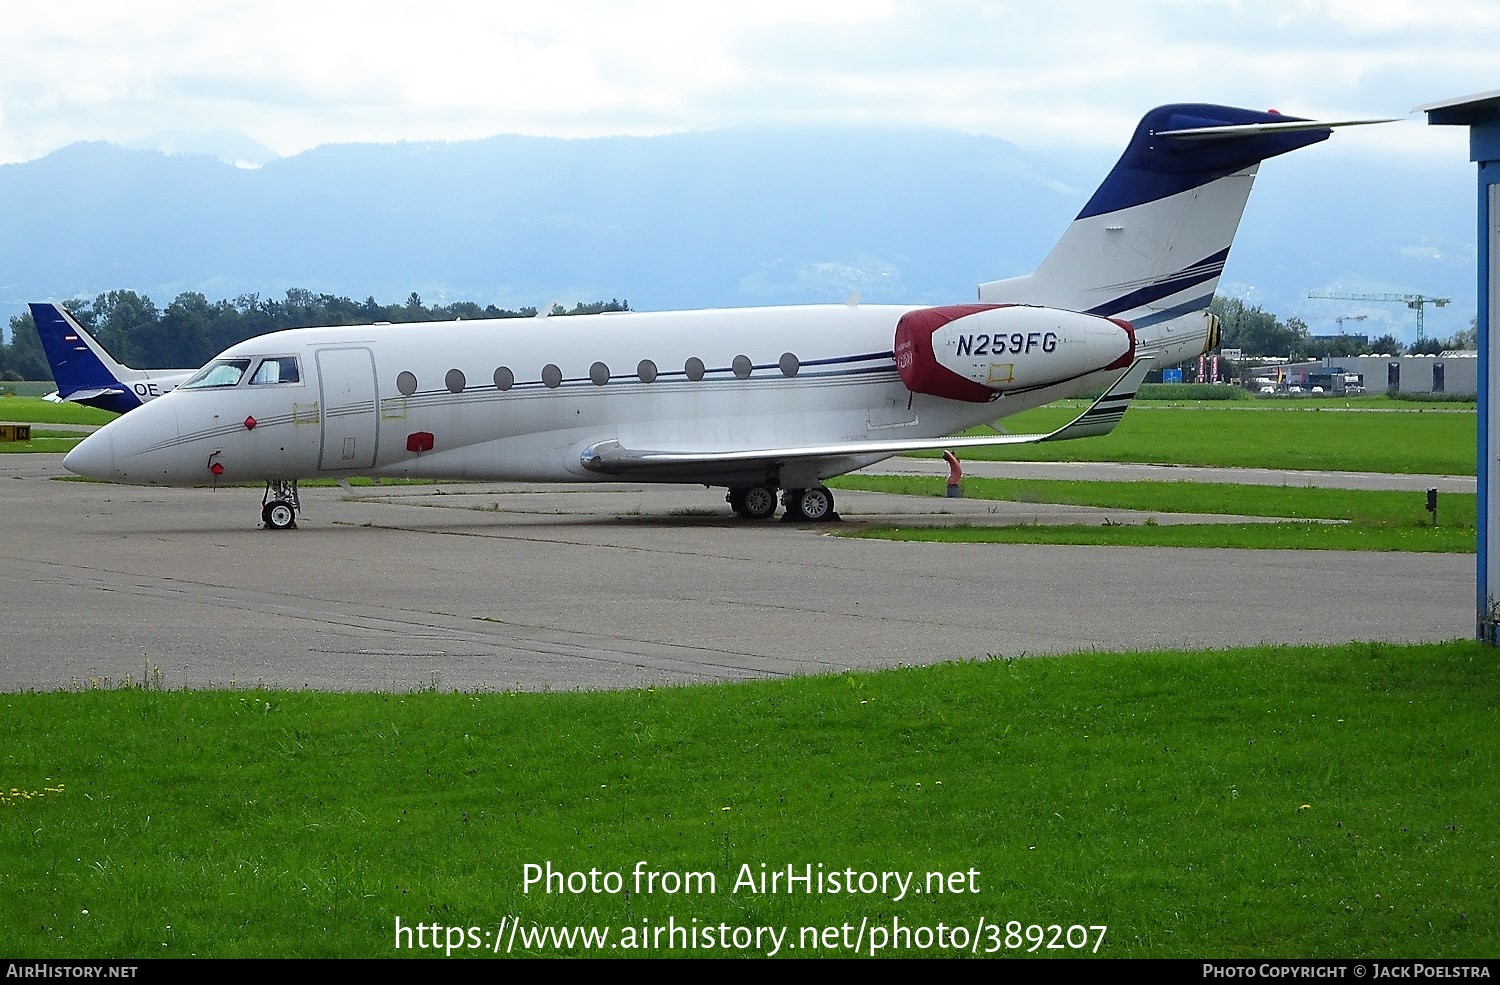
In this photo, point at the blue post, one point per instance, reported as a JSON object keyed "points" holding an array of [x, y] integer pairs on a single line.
{"points": [[1481, 114]]}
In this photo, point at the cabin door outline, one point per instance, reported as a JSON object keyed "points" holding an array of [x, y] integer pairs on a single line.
{"points": [[346, 385]]}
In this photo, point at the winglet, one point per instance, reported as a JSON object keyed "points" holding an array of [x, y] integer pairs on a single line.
{"points": [[1109, 409]]}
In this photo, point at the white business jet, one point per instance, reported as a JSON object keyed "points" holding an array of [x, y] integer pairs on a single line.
{"points": [[86, 374], [762, 401]]}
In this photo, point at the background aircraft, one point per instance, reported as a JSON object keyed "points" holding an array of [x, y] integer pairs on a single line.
{"points": [[758, 400], [86, 374]]}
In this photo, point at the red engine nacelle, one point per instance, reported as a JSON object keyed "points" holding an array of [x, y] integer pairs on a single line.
{"points": [[977, 352]]}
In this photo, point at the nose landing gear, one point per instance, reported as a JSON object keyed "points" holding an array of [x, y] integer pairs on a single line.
{"points": [[280, 505]]}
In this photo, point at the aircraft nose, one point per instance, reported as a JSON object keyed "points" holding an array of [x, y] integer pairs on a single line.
{"points": [[93, 457]]}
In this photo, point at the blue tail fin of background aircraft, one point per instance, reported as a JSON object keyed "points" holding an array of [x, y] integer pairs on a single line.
{"points": [[84, 372]]}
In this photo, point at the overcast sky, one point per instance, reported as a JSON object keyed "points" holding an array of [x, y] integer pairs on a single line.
{"points": [[1054, 75]]}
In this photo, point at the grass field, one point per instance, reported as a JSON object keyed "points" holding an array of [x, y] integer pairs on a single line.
{"points": [[35, 410], [51, 441], [56, 438], [1367, 520], [1424, 440], [1382, 436], [1267, 802]]}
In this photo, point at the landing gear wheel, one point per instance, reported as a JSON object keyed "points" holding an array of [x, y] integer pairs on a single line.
{"points": [[760, 502], [813, 504], [280, 504], [754, 503], [279, 515]]}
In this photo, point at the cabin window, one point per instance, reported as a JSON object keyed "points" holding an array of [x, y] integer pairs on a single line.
{"points": [[693, 368], [219, 373], [504, 378], [646, 370], [599, 373], [454, 381], [276, 369], [789, 364], [551, 376], [742, 367], [406, 383]]}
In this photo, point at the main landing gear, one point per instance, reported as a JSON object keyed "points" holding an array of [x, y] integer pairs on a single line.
{"points": [[755, 503], [811, 505], [280, 505]]}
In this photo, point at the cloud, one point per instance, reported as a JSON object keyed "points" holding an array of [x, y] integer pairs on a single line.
{"points": [[1062, 75]]}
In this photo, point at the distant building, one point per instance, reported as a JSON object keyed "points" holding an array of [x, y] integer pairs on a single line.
{"points": [[1450, 372]]}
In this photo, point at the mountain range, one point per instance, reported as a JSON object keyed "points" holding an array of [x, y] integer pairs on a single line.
{"points": [[707, 219]]}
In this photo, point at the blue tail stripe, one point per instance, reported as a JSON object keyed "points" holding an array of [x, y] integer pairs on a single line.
{"points": [[1206, 269]]}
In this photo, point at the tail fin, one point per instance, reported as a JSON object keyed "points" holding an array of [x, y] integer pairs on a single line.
{"points": [[1150, 245], [86, 374]]}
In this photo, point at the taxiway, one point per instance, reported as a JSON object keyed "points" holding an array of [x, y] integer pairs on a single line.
{"points": [[565, 587]]}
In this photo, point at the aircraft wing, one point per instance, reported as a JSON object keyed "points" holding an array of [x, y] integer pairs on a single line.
{"points": [[1100, 418]]}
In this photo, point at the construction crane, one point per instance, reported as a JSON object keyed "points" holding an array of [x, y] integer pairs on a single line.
{"points": [[1417, 302]]}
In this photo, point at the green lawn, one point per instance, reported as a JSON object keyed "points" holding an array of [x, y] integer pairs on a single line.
{"points": [[1293, 436], [1368, 520], [1386, 436], [35, 410], [1293, 802]]}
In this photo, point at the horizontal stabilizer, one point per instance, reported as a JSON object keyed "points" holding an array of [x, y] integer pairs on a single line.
{"points": [[84, 396], [1246, 129]]}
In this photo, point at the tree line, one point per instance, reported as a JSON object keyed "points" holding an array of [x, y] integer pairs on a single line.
{"points": [[191, 330]]}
